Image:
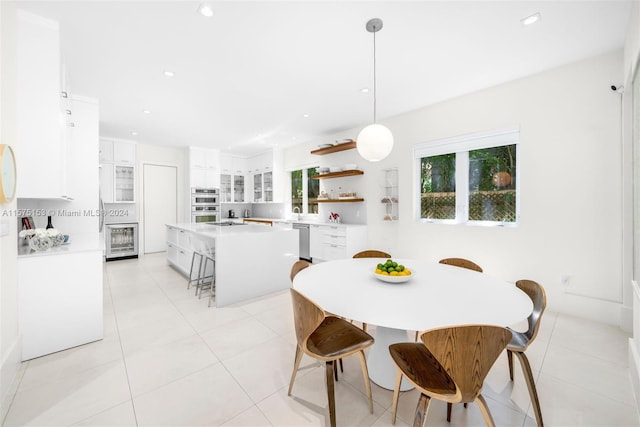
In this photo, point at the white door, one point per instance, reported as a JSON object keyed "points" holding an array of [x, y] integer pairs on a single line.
{"points": [[160, 204]]}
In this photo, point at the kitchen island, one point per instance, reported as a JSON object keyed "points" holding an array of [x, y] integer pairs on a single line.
{"points": [[251, 260]]}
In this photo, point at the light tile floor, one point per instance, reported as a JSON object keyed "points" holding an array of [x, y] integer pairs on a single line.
{"points": [[168, 359]]}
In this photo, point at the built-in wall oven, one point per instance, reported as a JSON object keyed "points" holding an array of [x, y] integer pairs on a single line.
{"points": [[205, 205]]}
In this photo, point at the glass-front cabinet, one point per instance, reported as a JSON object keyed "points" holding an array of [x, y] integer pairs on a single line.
{"points": [[231, 188], [267, 186], [238, 188], [225, 188], [257, 188], [124, 184]]}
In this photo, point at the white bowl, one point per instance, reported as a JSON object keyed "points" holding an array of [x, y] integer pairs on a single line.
{"points": [[350, 166], [323, 170], [335, 169], [393, 279]]}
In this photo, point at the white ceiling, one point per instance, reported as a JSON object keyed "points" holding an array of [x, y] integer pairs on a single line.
{"points": [[246, 76]]}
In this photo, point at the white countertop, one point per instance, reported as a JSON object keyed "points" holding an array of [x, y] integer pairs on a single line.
{"points": [[306, 221], [79, 242], [210, 230]]}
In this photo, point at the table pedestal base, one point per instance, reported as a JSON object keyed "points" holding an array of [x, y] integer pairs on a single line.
{"points": [[382, 370]]}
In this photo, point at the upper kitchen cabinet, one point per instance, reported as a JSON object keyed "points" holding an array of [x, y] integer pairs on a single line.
{"points": [[233, 172], [40, 132], [266, 169], [117, 171], [204, 168]]}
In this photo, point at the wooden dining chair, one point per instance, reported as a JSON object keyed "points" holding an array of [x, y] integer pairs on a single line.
{"points": [[297, 267], [450, 365], [469, 265], [372, 253], [520, 341], [327, 338], [461, 262]]}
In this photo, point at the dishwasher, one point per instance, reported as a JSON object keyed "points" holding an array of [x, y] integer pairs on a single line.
{"points": [[304, 240]]}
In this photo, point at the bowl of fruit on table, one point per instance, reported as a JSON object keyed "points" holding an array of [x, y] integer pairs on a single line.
{"points": [[392, 272]]}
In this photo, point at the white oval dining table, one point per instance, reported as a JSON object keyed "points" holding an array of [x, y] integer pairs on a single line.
{"points": [[436, 295]]}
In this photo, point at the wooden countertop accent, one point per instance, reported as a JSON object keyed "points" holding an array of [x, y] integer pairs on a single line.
{"points": [[262, 221]]}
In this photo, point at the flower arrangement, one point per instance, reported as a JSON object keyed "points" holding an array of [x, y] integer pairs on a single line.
{"points": [[41, 239]]}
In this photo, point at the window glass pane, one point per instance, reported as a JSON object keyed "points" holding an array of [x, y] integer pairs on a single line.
{"points": [[296, 191], [313, 189], [492, 184], [438, 187]]}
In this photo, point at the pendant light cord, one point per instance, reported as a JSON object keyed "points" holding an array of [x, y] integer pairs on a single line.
{"points": [[374, 74]]}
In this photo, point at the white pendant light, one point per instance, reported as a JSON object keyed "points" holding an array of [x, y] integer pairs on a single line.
{"points": [[375, 141]]}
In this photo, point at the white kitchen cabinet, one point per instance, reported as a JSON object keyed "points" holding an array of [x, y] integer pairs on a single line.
{"points": [[204, 168], [261, 168], [59, 301], [316, 244], [106, 151], [39, 131], [117, 171], [342, 241]]}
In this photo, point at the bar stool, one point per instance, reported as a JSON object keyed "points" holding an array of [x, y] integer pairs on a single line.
{"points": [[195, 258], [207, 273]]}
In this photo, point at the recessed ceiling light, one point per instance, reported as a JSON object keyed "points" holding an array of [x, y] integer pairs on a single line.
{"points": [[364, 90], [306, 116], [168, 73], [134, 133], [205, 10], [532, 19], [146, 111]]}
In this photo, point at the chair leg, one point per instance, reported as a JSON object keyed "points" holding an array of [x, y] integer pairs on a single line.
{"points": [[422, 409], [367, 382], [449, 407], [531, 385], [364, 326], [396, 397], [330, 393], [416, 338], [510, 360], [296, 364], [341, 367], [484, 409], [335, 371]]}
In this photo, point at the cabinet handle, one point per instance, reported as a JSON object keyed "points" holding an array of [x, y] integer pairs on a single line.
{"points": [[169, 245], [64, 94], [68, 112], [71, 125], [181, 252]]}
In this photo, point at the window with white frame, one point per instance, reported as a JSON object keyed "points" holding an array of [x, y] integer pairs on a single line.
{"points": [[304, 191], [469, 179]]}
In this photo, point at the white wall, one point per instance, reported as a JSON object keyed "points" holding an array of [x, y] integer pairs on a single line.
{"points": [[570, 178], [9, 336]]}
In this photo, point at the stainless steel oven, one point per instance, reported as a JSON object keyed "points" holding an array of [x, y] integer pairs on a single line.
{"points": [[205, 196], [205, 205]]}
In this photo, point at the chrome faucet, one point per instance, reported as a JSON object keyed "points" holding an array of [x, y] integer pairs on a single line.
{"points": [[294, 211]]}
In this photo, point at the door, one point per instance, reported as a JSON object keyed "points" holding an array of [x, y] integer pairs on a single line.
{"points": [[160, 204]]}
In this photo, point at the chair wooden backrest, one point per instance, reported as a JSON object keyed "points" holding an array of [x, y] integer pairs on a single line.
{"points": [[539, 298], [297, 267], [467, 353], [307, 317], [372, 254], [461, 262]]}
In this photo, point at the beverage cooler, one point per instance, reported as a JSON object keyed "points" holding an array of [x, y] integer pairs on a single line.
{"points": [[121, 241]]}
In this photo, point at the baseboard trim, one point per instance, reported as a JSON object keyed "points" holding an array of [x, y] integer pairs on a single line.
{"points": [[634, 371], [9, 376]]}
